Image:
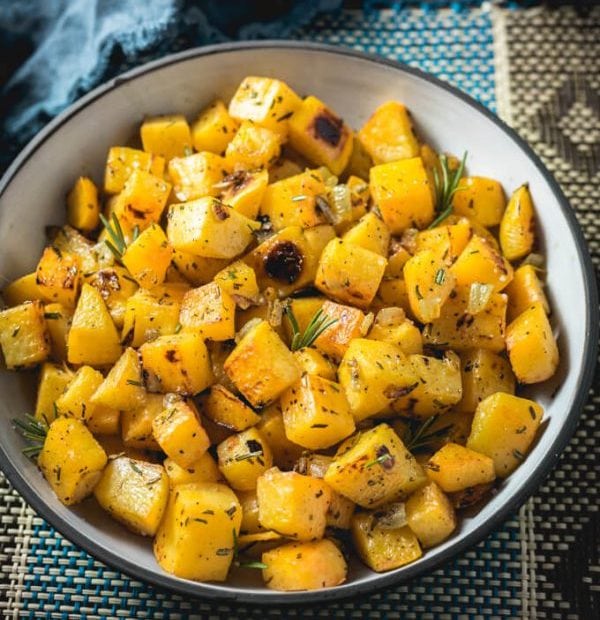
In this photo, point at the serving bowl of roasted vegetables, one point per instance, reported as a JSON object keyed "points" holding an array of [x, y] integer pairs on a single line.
{"points": [[289, 322]]}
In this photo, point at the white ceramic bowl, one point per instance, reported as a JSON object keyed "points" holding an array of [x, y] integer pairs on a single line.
{"points": [[32, 195]]}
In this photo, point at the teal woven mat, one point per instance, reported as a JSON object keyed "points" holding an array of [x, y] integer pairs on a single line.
{"points": [[517, 570]]}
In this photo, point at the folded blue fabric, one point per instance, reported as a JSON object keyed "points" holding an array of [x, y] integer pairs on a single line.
{"points": [[79, 43]]}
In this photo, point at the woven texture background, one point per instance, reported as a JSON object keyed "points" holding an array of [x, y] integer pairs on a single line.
{"points": [[540, 70]]}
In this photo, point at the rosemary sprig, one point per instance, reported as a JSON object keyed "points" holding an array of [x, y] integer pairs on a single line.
{"points": [[117, 243], [244, 564], [34, 431], [249, 455], [420, 436], [445, 187], [380, 460], [316, 326]]}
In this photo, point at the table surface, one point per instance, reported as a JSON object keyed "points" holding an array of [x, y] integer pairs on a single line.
{"points": [[540, 70]]}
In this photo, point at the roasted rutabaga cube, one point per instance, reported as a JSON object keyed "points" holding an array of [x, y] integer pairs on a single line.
{"points": [[349, 274], [373, 374], [148, 257], [116, 286], [316, 413], [134, 492], [177, 363], [53, 381], [380, 548], [82, 205], [213, 129], [203, 470], [71, 460], [503, 428], [209, 227], [388, 135], [123, 387], [253, 147], [345, 324], [261, 366], [244, 190], [531, 345], [58, 276], [225, 408], [430, 515], [93, 338], [371, 233], [136, 424], [374, 468], [24, 335], [210, 311], [196, 176], [525, 290], [455, 468], [244, 457], [272, 428], [167, 136], [122, 161], [314, 363], [292, 504], [75, 401], [304, 566], [480, 198], [196, 537], [179, 432], [391, 325]]}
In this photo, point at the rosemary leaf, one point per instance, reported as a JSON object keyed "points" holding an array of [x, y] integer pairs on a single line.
{"points": [[33, 431], [316, 326], [446, 187]]}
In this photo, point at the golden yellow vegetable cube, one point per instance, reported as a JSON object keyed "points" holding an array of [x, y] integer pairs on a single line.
{"points": [[103, 420], [304, 566], [483, 373], [359, 195], [177, 363], [197, 534], [345, 324], [261, 366], [226, 409], [531, 346], [244, 457], [480, 198], [314, 363], [197, 270], [142, 200], [525, 290], [167, 136], [93, 337], [239, 281], [517, 226], [210, 311], [71, 460], [455, 468], [392, 292], [272, 428], [430, 515], [53, 382], [458, 330], [115, 286], [24, 335], [374, 468], [360, 161], [203, 470], [136, 424], [428, 285], [481, 262], [446, 241], [373, 374], [293, 201], [282, 169], [75, 401], [70, 241], [208, 227], [179, 433], [370, 233], [503, 428], [21, 290], [83, 209], [149, 314], [388, 135], [249, 502], [58, 322], [135, 493], [244, 190], [58, 277], [214, 128], [349, 274], [316, 132], [288, 260], [292, 504], [391, 325], [437, 387], [122, 161], [316, 414], [383, 549], [197, 175], [148, 257], [402, 192], [253, 147], [123, 387], [266, 102]]}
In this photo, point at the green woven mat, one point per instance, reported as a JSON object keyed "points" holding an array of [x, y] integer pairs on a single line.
{"points": [[541, 70]]}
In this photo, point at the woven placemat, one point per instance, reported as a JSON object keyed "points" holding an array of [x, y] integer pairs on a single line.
{"points": [[540, 70]]}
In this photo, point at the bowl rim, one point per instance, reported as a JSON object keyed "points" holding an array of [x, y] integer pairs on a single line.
{"points": [[209, 591]]}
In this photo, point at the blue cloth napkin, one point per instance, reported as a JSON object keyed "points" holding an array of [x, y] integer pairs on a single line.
{"points": [[55, 50]]}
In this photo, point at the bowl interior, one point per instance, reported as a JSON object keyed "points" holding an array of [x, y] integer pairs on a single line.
{"points": [[33, 195]]}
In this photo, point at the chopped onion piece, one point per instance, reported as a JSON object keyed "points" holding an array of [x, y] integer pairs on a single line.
{"points": [[479, 297], [392, 516], [535, 260]]}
